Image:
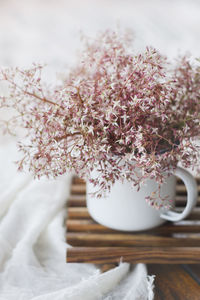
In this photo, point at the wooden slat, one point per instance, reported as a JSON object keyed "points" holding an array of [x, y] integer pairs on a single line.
{"points": [[78, 189], [86, 226], [76, 201], [77, 180], [181, 200], [181, 189], [91, 226], [173, 283], [107, 267], [82, 213], [159, 255], [129, 240], [78, 213]]}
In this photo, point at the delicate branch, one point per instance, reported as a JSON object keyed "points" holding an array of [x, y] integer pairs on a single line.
{"points": [[39, 98], [59, 138], [79, 96]]}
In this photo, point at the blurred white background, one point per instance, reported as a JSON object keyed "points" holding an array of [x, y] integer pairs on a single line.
{"points": [[49, 30]]}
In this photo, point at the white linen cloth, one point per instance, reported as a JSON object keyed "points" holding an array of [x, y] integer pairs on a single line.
{"points": [[33, 248], [32, 233]]}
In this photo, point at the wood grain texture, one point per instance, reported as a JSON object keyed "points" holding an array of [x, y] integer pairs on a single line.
{"points": [[79, 189], [174, 283], [76, 201], [77, 180], [193, 271], [78, 213], [88, 225], [147, 255], [129, 240]]}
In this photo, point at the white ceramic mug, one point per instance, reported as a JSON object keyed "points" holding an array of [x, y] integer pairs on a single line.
{"points": [[126, 209]]}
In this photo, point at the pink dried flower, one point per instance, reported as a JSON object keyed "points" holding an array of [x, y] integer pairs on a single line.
{"points": [[117, 111]]}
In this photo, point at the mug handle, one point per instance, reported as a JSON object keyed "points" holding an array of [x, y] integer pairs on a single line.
{"points": [[192, 195]]}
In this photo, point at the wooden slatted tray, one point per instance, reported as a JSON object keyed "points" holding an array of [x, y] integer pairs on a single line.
{"points": [[171, 243]]}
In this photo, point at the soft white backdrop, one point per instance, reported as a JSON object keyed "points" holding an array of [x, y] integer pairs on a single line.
{"points": [[32, 235]]}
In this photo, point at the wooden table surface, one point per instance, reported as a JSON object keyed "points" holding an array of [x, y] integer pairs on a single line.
{"points": [[176, 282]]}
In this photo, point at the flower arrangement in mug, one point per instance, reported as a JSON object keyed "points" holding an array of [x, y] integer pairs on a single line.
{"points": [[129, 115]]}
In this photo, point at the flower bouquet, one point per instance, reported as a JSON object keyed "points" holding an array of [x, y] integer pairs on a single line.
{"points": [[123, 115]]}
